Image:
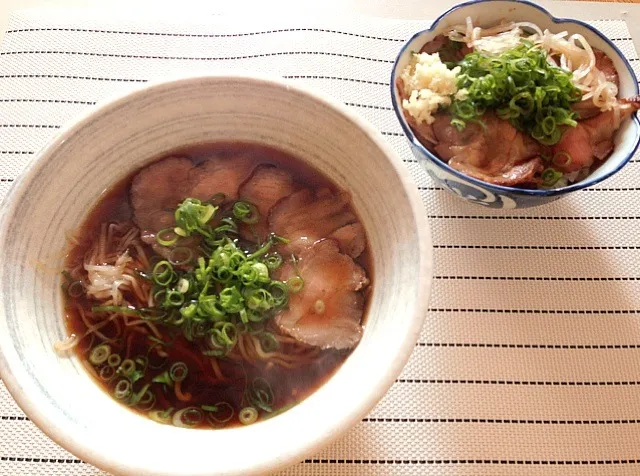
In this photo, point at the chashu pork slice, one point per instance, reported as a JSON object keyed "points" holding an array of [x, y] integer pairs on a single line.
{"points": [[266, 187], [304, 218], [220, 175], [327, 312], [157, 190]]}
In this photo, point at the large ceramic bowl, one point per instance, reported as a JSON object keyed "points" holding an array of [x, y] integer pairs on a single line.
{"points": [[97, 150], [491, 12]]}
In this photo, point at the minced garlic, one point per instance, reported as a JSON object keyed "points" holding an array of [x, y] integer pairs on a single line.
{"points": [[428, 84]]}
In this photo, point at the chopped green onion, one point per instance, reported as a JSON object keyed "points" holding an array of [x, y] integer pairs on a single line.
{"points": [[248, 415], [114, 360], [261, 394], [231, 300], [218, 414], [162, 273], [562, 159], [142, 361], [189, 311], [227, 225], [161, 416], [180, 256], [295, 284], [192, 216], [127, 367], [218, 199], [246, 212], [178, 371], [100, 354], [187, 417], [550, 177], [147, 401], [137, 397], [174, 298], [156, 340], [225, 292], [107, 373], [228, 333], [268, 342], [522, 87], [183, 285], [259, 299], [122, 389], [273, 261], [151, 314], [224, 274], [124, 310], [167, 237], [279, 293], [135, 376], [158, 364], [210, 306], [163, 378], [75, 289]]}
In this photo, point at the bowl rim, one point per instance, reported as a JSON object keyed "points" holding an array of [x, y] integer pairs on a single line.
{"points": [[408, 132], [381, 381]]}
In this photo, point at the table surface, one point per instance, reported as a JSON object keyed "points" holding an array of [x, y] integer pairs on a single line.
{"points": [[379, 8], [575, 365]]}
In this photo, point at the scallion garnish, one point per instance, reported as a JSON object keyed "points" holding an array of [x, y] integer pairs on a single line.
{"points": [[125, 310], [167, 237], [229, 290], [161, 416], [127, 367], [163, 378], [261, 394], [248, 415], [162, 273], [192, 216], [180, 256], [295, 284], [522, 87], [178, 371], [107, 373], [246, 212], [219, 414], [75, 289], [550, 177], [114, 360], [188, 417], [100, 354], [268, 342], [122, 389]]}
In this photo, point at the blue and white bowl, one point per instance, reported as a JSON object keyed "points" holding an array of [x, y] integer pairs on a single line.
{"points": [[491, 12]]}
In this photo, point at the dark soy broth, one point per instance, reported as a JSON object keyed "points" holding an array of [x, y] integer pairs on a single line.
{"points": [[220, 387]]}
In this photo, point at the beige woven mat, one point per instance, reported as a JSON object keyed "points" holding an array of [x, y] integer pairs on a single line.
{"points": [[529, 362]]}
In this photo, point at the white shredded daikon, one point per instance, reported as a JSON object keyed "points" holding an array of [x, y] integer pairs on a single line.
{"points": [[572, 53], [105, 280], [499, 43]]}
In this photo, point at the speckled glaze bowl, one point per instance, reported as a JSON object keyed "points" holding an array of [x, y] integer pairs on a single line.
{"points": [[491, 12], [68, 177]]}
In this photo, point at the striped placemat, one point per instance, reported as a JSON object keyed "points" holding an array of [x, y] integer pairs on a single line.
{"points": [[529, 362]]}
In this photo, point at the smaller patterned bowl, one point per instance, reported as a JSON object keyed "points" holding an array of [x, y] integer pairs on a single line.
{"points": [[491, 12]]}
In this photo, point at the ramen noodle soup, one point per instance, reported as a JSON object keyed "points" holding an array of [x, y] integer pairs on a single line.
{"points": [[217, 286], [514, 105]]}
